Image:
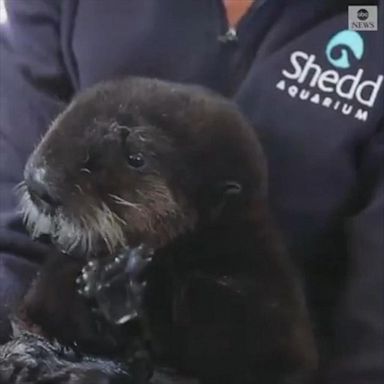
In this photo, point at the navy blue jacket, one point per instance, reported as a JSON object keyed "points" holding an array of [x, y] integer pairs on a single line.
{"points": [[313, 90]]}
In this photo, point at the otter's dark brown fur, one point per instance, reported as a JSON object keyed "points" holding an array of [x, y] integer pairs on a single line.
{"points": [[178, 169]]}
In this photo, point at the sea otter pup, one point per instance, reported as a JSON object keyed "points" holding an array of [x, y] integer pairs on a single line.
{"points": [[153, 195]]}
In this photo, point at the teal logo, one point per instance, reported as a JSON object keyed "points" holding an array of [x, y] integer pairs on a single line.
{"points": [[343, 46]]}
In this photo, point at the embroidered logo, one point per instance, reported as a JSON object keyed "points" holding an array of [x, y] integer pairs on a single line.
{"points": [[343, 46], [350, 93]]}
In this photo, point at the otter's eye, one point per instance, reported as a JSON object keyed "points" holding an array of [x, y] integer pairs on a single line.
{"points": [[136, 160]]}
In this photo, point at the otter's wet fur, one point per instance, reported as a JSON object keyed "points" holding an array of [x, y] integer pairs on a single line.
{"points": [[178, 169]]}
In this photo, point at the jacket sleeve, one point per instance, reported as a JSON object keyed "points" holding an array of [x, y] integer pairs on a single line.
{"points": [[33, 88], [359, 343]]}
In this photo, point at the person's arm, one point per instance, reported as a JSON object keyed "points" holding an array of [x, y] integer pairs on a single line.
{"points": [[33, 87], [360, 317]]}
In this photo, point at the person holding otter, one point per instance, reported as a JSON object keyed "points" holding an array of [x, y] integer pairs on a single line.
{"points": [[310, 86]]}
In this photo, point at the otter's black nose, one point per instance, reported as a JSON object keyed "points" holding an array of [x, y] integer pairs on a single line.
{"points": [[40, 191]]}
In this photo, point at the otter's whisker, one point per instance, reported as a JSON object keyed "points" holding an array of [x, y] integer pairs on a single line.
{"points": [[118, 218], [36, 222], [20, 187], [105, 224], [119, 200], [86, 170], [88, 235], [77, 186]]}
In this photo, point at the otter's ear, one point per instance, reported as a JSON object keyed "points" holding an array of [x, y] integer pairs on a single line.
{"points": [[226, 193]]}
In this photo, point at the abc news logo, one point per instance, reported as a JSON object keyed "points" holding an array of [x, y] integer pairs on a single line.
{"points": [[362, 18], [363, 14]]}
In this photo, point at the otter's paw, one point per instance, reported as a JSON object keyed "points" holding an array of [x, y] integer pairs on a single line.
{"points": [[78, 376], [117, 284]]}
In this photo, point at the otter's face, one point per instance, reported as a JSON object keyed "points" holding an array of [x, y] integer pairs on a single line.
{"points": [[103, 181], [139, 161]]}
